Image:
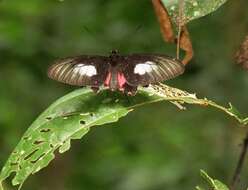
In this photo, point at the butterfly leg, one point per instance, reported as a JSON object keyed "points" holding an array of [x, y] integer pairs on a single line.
{"points": [[130, 90], [95, 89]]}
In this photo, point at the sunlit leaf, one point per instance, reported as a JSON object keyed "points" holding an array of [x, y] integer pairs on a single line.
{"points": [[68, 118], [213, 183], [199, 188], [72, 116]]}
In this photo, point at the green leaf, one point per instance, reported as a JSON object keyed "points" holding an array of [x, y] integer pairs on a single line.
{"points": [[199, 188], [68, 118], [213, 183], [72, 116], [193, 8]]}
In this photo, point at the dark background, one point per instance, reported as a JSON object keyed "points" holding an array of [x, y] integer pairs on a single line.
{"points": [[157, 146]]}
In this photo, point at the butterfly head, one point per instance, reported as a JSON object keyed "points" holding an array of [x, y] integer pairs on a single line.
{"points": [[115, 57], [114, 52]]}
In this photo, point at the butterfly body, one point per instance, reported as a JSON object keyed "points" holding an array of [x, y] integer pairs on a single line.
{"points": [[116, 72]]}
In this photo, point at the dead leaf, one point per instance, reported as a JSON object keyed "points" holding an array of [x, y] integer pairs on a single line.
{"points": [[186, 45], [242, 54], [167, 31], [164, 21]]}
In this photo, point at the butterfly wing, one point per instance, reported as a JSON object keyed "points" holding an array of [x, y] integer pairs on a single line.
{"points": [[81, 70], [145, 69]]}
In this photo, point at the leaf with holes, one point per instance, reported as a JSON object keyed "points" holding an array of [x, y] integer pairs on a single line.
{"points": [[193, 8], [68, 118], [72, 116]]}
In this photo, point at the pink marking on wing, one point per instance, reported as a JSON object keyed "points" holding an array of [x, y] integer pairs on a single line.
{"points": [[121, 80], [107, 80]]}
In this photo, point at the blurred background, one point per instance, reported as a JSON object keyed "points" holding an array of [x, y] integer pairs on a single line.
{"points": [[156, 147]]}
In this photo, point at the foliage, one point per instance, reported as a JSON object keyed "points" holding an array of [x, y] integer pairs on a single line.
{"points": [[34, 32], [213, 183], [68, 118], [72, 116], [193, 8]]}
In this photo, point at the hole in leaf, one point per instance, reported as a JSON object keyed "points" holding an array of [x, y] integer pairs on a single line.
{"points": [[48, 118], [51, 146], [32, 153], [91, 114], [45, 130], [13, 164], [38, 142], [82, 122], [34, 161], [25, 138]]}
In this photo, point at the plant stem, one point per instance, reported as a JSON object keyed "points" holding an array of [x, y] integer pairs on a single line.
{"points": [[180, 23], [240, 164]]}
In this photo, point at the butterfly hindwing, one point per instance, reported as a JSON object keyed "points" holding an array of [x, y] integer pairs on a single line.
{"points": [[145, 69], [81, 70]]}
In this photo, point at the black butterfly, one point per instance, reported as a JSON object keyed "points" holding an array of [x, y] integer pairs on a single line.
{"points": [[117, 72]]}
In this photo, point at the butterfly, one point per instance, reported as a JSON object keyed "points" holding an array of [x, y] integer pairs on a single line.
{"points": [[116, 72]]}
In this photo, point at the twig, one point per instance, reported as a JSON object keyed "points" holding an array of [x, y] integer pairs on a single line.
{"points": [[182, 40], [180, 23], [240, 164], [178, 41]]}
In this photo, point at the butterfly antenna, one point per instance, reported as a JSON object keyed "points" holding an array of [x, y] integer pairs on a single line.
{"points": [[137, 29], [92, 33], [89, 32], [180, 23]]}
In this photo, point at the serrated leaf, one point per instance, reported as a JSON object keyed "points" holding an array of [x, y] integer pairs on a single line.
{"points": [[72, 116], [193, 8], [213, 183]]}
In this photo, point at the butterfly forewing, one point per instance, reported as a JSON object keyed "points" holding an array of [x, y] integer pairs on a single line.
{"points": [[81, 70], [145, 69]]}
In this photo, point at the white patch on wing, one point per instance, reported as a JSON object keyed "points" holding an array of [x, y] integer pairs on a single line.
{"points": [[88, 70], [143, 68]]}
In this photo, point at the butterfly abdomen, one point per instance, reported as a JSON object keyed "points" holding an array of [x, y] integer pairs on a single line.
{"points": [[113, 85]]}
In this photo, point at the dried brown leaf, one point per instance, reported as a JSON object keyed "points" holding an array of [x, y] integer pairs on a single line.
{"points": [[242, 54], [167, 31], [164, 21], [186, 45]]}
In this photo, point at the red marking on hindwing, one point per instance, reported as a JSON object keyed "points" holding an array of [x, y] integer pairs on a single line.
{"points": [[121, 80], [107, 80]]}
